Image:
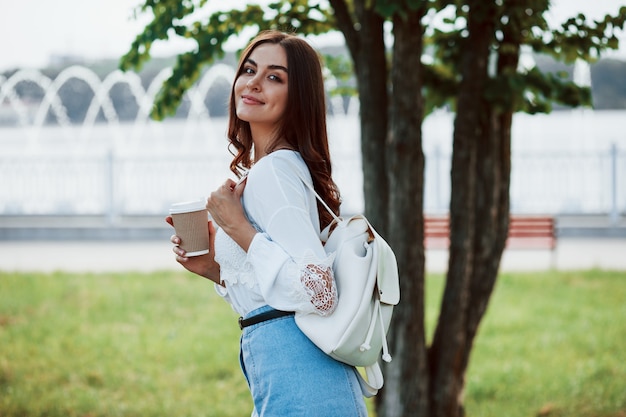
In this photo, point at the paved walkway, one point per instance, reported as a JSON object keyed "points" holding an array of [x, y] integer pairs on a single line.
{"points": [[146, 256]]}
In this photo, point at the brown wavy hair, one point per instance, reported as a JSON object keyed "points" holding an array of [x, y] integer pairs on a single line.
{"points": [[303, 126]]}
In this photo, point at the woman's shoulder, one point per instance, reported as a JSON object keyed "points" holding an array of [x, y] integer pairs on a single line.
{"points": [[285, 156], [279, 177], [276, 182], [283, 164]]}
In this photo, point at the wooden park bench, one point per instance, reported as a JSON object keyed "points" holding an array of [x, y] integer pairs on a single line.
{"points": [[525, 232]]}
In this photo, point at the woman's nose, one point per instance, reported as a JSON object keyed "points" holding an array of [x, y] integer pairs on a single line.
{"points": [[253, 83]]}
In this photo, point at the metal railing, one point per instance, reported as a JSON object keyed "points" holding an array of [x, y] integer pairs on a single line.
{"points": [[114, 169], [547, 183], [115, 185]]}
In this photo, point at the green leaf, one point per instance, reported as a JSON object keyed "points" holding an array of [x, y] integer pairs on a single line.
{"points": [[210, 35]]}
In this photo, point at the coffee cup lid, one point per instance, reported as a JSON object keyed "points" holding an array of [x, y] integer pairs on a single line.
{"points": [[187, 207]]}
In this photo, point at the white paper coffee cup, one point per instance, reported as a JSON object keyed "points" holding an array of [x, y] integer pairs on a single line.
{"points": [[190, 222]]}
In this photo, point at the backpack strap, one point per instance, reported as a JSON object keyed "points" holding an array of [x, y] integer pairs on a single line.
{"points": [[336, 219], [310, 187]]}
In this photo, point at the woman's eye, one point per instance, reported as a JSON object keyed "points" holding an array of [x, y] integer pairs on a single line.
{"points": [[248, 71], [275, 78]]}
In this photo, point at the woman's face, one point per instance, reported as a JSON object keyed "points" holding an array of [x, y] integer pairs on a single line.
{"points": [[262, 86]]}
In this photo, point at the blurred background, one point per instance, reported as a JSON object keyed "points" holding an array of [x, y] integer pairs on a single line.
{"points": [[80, 157]]}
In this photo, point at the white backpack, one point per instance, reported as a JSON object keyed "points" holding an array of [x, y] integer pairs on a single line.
{"points": [[366, 273]]}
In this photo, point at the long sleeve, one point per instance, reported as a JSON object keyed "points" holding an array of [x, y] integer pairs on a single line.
{"points": [[286, 260]]}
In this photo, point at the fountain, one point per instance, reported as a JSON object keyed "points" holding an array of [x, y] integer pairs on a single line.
{"points": [[115, 168], [107, 167]]}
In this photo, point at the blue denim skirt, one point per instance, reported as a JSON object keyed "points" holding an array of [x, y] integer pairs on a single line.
{"points": [[289, 376]]}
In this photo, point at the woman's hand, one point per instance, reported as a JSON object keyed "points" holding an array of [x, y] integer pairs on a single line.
{"points": [[225, 207], [203, 265]]}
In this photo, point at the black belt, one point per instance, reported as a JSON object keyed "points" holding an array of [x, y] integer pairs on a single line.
{"points": [[265, 316]]}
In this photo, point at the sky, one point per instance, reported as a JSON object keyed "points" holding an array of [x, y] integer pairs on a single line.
{"points": [[32, 31]]}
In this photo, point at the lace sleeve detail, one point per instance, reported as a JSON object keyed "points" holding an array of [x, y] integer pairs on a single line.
{"points": [[319, 283]]}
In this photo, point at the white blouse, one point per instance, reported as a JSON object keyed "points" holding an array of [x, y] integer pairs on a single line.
{"points": [[286, 266]]}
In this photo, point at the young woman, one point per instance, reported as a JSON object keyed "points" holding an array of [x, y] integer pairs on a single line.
{"points": [[266, 257]]}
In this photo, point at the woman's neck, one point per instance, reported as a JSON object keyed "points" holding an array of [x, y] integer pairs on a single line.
{"points": [[262, 137], [265, 143]]}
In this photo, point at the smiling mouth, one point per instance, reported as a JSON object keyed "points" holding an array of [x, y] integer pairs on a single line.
{"points": [[251, 100]]}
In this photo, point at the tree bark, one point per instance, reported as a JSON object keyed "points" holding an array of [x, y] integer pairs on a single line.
{"points": [[431, 382], [495, 178], [365, 40], [452, 343], [406, 383]]}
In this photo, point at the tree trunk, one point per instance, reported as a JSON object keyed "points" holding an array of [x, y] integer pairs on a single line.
{"points": [[493, 193], [452, 343], [406, 382], [365, 41]]}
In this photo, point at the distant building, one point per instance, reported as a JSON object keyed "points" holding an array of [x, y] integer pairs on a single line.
{"points": [[64, 60]]}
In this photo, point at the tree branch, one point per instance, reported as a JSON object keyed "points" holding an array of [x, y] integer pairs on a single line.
{"points": [[346, 25]]}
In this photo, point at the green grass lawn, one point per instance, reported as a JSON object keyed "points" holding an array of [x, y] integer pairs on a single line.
{"points": [[164, 344]]}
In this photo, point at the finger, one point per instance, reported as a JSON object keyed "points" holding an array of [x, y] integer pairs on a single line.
{"points": [[210, 204], [211, 235], [239, 189], [230, 184], [175, 240], [179, 251]]}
